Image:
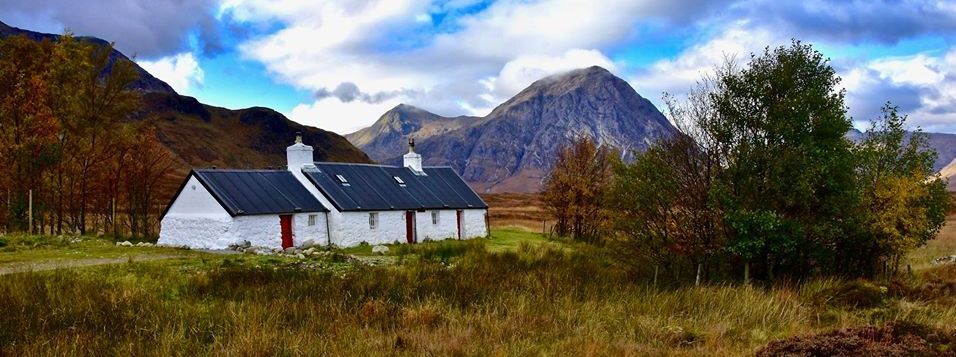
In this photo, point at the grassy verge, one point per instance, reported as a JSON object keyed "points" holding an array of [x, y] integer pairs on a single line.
{"points": [[516, 293]]}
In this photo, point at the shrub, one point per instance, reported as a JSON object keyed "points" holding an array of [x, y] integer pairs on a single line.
{"points": [[858, 294], [897, 339]]}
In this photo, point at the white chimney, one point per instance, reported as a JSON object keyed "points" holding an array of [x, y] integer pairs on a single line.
{"points": [[299, 154], [413, 160]]}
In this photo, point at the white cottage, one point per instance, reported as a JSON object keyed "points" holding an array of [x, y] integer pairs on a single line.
{"points": [[323, 203]]}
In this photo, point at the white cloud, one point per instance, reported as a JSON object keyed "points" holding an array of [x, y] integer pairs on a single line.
{"points": [[388, 47], [341, 117], [679, 75], [923, 85], [522, 71], [181, 71]]}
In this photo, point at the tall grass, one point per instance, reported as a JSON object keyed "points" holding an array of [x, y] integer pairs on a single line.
{"points": [[455, 299]]}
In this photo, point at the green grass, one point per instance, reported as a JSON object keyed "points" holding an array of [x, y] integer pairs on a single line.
{"points": [[24, 249], [516, 293]]}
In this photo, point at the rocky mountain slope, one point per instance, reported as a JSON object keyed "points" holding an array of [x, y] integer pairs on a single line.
{"points": [[391, 131], [201, 135], [512, 148]]}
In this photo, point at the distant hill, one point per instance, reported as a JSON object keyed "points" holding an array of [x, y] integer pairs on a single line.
{"points": [[944, 144], [512, 148], [146, 81], [201, 135], [389, 135]]}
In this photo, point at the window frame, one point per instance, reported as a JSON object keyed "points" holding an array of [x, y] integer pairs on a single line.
{"points": [[312, 219], [436, 217], [373, 220]]}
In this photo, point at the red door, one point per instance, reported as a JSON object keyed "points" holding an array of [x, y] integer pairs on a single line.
{"points": [[458, 215], [410, 226], [286, 222]]}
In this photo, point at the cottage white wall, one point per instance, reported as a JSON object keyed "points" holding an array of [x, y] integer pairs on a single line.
{"points": [[304, 234], [354, 229], [447, 227], [196, 232], [196, 201], [195, 219], [474, 223], [260, 231]]}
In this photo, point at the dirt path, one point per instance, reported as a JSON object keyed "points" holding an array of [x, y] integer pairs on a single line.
{"points": [[21, 267]]}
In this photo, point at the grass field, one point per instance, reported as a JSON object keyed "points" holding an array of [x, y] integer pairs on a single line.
{"points": [[516, 293]]}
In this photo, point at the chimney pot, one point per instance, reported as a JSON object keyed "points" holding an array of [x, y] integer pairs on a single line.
{"points": [[298, 137]]}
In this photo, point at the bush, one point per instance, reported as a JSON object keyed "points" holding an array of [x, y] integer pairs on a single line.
{"points": [[897, 339], [857, 294]]}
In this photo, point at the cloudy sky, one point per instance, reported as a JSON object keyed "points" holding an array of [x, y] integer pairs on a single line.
{"points": [[339, 65]]}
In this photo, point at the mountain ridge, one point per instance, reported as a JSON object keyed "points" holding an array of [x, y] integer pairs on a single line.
{"points": [[202, 135], [511, 149]]}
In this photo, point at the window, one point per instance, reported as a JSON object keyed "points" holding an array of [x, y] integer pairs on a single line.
{"points": [[435, 217], [401, 183], [372, 220], [342, 180], [312, 218]]}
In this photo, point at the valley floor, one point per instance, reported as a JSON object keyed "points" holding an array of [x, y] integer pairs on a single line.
{"points": [[517, 293]]}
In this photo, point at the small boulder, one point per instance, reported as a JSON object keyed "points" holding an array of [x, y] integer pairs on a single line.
{"points": [[380, 249], [124, 244]]}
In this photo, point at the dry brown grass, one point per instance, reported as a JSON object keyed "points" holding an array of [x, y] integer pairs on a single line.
{"points": [[517, 210]]}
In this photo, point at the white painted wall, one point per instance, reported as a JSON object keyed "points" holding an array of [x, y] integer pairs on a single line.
{"points": [[196, 201], [447, 227], [195, 219], [353, 229], [474, 223], [309, 235]]}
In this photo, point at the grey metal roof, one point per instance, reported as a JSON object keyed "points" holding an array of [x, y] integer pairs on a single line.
{"points": [[374, 187], [252, 192]]}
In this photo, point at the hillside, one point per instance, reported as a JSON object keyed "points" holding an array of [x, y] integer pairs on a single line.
{"points": [[388, 136], [204, 135], [512, 148], [201, 135]]}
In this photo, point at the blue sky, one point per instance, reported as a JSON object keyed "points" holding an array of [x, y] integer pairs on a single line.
{"points": [[340, 64]]}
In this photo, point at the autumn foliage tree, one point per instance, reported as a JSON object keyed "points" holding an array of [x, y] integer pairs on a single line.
{"points": [[65, 136], [575, 189]]}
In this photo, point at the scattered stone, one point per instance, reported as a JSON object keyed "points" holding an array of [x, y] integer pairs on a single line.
{"points": [[300, 256], [380, 249], [945, 260], [144, 244], [124, 244]]}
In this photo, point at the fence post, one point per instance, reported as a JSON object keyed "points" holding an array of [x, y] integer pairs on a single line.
{"points": [[747, 273], [697, 281], [30, 214]]}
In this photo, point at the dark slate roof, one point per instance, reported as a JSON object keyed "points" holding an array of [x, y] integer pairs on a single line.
{"points": [[252, 192], [374, 188]]}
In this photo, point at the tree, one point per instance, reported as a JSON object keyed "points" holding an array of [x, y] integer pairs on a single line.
{"points": [[575, 189], [662, 209], [904, 202], [764, 180], [28, 126]]}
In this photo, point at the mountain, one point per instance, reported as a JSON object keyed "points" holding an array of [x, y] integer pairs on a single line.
{"points": [[944, 144], [201, 135], [146, 81], [391, 131], [511, 149]]}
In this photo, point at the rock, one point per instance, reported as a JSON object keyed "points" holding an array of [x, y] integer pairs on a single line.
{"points": [[300, 256], [125, 244], [379, 249]]}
